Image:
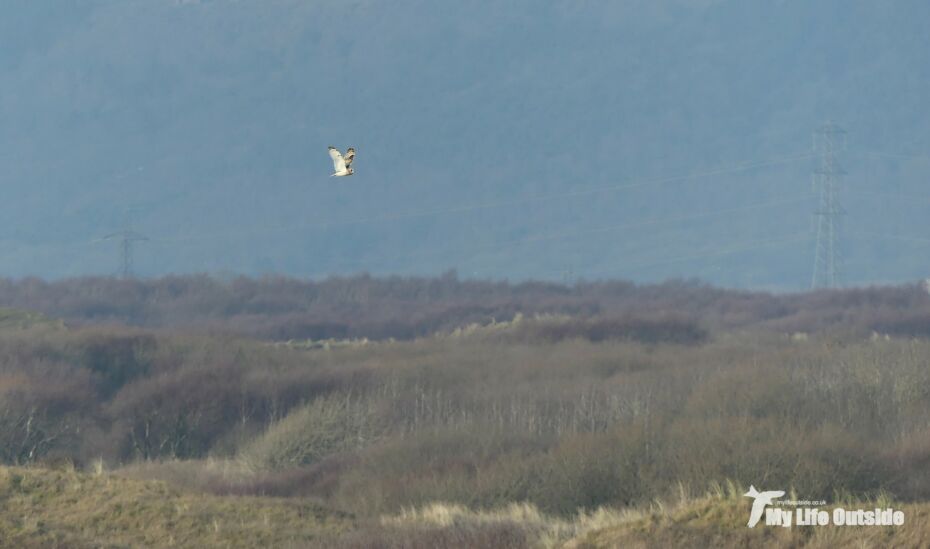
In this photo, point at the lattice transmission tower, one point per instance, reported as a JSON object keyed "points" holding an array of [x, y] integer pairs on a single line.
{"points": [[828, 140], [127, 239]]}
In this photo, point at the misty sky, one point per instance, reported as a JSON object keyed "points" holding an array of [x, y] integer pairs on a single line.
{"points": [[640, 139]]}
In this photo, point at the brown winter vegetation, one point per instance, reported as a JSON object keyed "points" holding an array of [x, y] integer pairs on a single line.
{"points": [[63, 508], [280, 309], [549, 405]]}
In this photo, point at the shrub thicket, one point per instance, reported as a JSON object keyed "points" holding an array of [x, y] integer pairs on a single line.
{"points": [[280, 309], [562, 411]]}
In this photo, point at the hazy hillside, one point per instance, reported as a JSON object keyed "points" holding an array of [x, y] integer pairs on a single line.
{"points": [[209, 119]]}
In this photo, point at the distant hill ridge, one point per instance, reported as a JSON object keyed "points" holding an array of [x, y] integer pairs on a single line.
{"points": [[499, 138]]}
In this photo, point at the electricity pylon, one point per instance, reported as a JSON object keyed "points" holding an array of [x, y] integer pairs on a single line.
{"points": [[127, 238], [828, 139]]}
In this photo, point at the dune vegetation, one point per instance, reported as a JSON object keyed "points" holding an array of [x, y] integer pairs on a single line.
{"points": [[62, 507], [554, 415]]}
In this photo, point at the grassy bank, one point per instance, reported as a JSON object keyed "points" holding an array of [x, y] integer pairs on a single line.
{"points": [[63, 508]]}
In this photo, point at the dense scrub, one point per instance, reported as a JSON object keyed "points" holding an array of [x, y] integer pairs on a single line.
{"points": [[565, 412], [281, 309], [482, 418]]}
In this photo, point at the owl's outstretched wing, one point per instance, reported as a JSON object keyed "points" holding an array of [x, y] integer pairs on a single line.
{"points": [[339, 163]]}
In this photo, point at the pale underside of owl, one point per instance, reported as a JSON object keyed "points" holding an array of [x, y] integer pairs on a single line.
{"points": [[342, 164]]}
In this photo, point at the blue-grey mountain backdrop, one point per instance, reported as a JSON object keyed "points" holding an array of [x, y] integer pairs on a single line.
{"points": [[523, 139]]}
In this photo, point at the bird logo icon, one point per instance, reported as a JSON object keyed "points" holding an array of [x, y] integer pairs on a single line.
{"points": [[762, 499]]}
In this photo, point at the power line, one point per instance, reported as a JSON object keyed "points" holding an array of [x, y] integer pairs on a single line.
{"points": [[744, 247], [906, 196], [922, 240], [499, 247], [379, 219], [127, 237], [514, 202], [898, 155]]}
